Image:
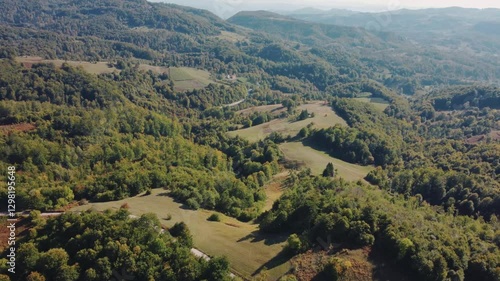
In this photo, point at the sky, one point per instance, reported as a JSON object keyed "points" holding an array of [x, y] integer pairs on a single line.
{"points": [[227, 8]]}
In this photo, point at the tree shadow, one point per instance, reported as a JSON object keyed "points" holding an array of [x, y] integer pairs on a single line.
{"points": [[321, 277], [182, 205], [281, 258], [310, 143], [269, 239], [386, 269], [164, 194], [276, 109]]}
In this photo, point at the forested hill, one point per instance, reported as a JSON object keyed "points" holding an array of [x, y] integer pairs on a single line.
{"points": [[90, 30], [107, 100], [448, 20], [311, 58], [402, 61], [104, 18], [307, 32]]}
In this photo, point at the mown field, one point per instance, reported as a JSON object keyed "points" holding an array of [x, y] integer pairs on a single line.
{"points": [[378, 103], [231, 36], [247, 251], [185, 78], [94, 68], [324, 117], [317, 160]]}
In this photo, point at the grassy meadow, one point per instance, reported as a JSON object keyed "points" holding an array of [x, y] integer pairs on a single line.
{"points": [[94, 68], [317, 160], [247, 251], [378, 103], [324, 117]]}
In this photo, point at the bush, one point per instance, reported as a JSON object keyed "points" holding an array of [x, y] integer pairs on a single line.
{"points": [[294, 244], [336, 268], [83, 202], [214, 217], [193, 204]]}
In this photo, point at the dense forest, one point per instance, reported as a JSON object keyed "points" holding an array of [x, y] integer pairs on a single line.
{"points": [[372, 54], [105, 246], [92, 142], [408, 232]]}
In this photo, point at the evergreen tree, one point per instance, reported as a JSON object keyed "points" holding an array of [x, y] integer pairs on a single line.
{"points": [[329, 170]]}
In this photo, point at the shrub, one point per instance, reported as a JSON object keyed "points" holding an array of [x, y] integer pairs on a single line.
{"points": [[336, 268], [83, 202], [214, 217], [294, 244], [193, 204]]}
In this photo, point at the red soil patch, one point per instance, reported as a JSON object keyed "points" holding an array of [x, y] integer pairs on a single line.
{"points": [[494, 135], [22, 127], [307, 266]]}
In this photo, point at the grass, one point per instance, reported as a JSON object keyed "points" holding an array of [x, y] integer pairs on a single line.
{"points": [[379, 103], [317, 160], [231, 36], [274, 109], [155, 69], [324, 117], [94, 68], [187, 78], [245, 248], [274, 190]]}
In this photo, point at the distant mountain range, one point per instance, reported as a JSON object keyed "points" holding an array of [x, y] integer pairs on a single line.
{"points": [[453, 19]]}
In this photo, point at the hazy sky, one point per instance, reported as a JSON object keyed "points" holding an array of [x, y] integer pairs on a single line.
{"points": [[227, 8]]}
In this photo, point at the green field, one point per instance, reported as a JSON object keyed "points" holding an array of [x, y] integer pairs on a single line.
{"points": [[324, 117], [379, 103], [246, 250], [187, 78], [94, 68], [317, 161], [231, 36]]}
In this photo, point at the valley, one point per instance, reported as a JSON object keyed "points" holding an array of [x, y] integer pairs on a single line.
{"points": [[286, 147]]}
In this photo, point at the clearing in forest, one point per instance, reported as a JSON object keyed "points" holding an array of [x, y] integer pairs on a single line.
{"points": [[324, 117], [301, 155], [187, 78], [91, 67], [246, 249], [378, 103]]}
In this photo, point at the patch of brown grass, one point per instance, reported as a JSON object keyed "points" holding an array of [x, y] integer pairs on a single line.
{"points": [[22, 127], [493, 135], [22, 228], [232, 224], [308, 266]]}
